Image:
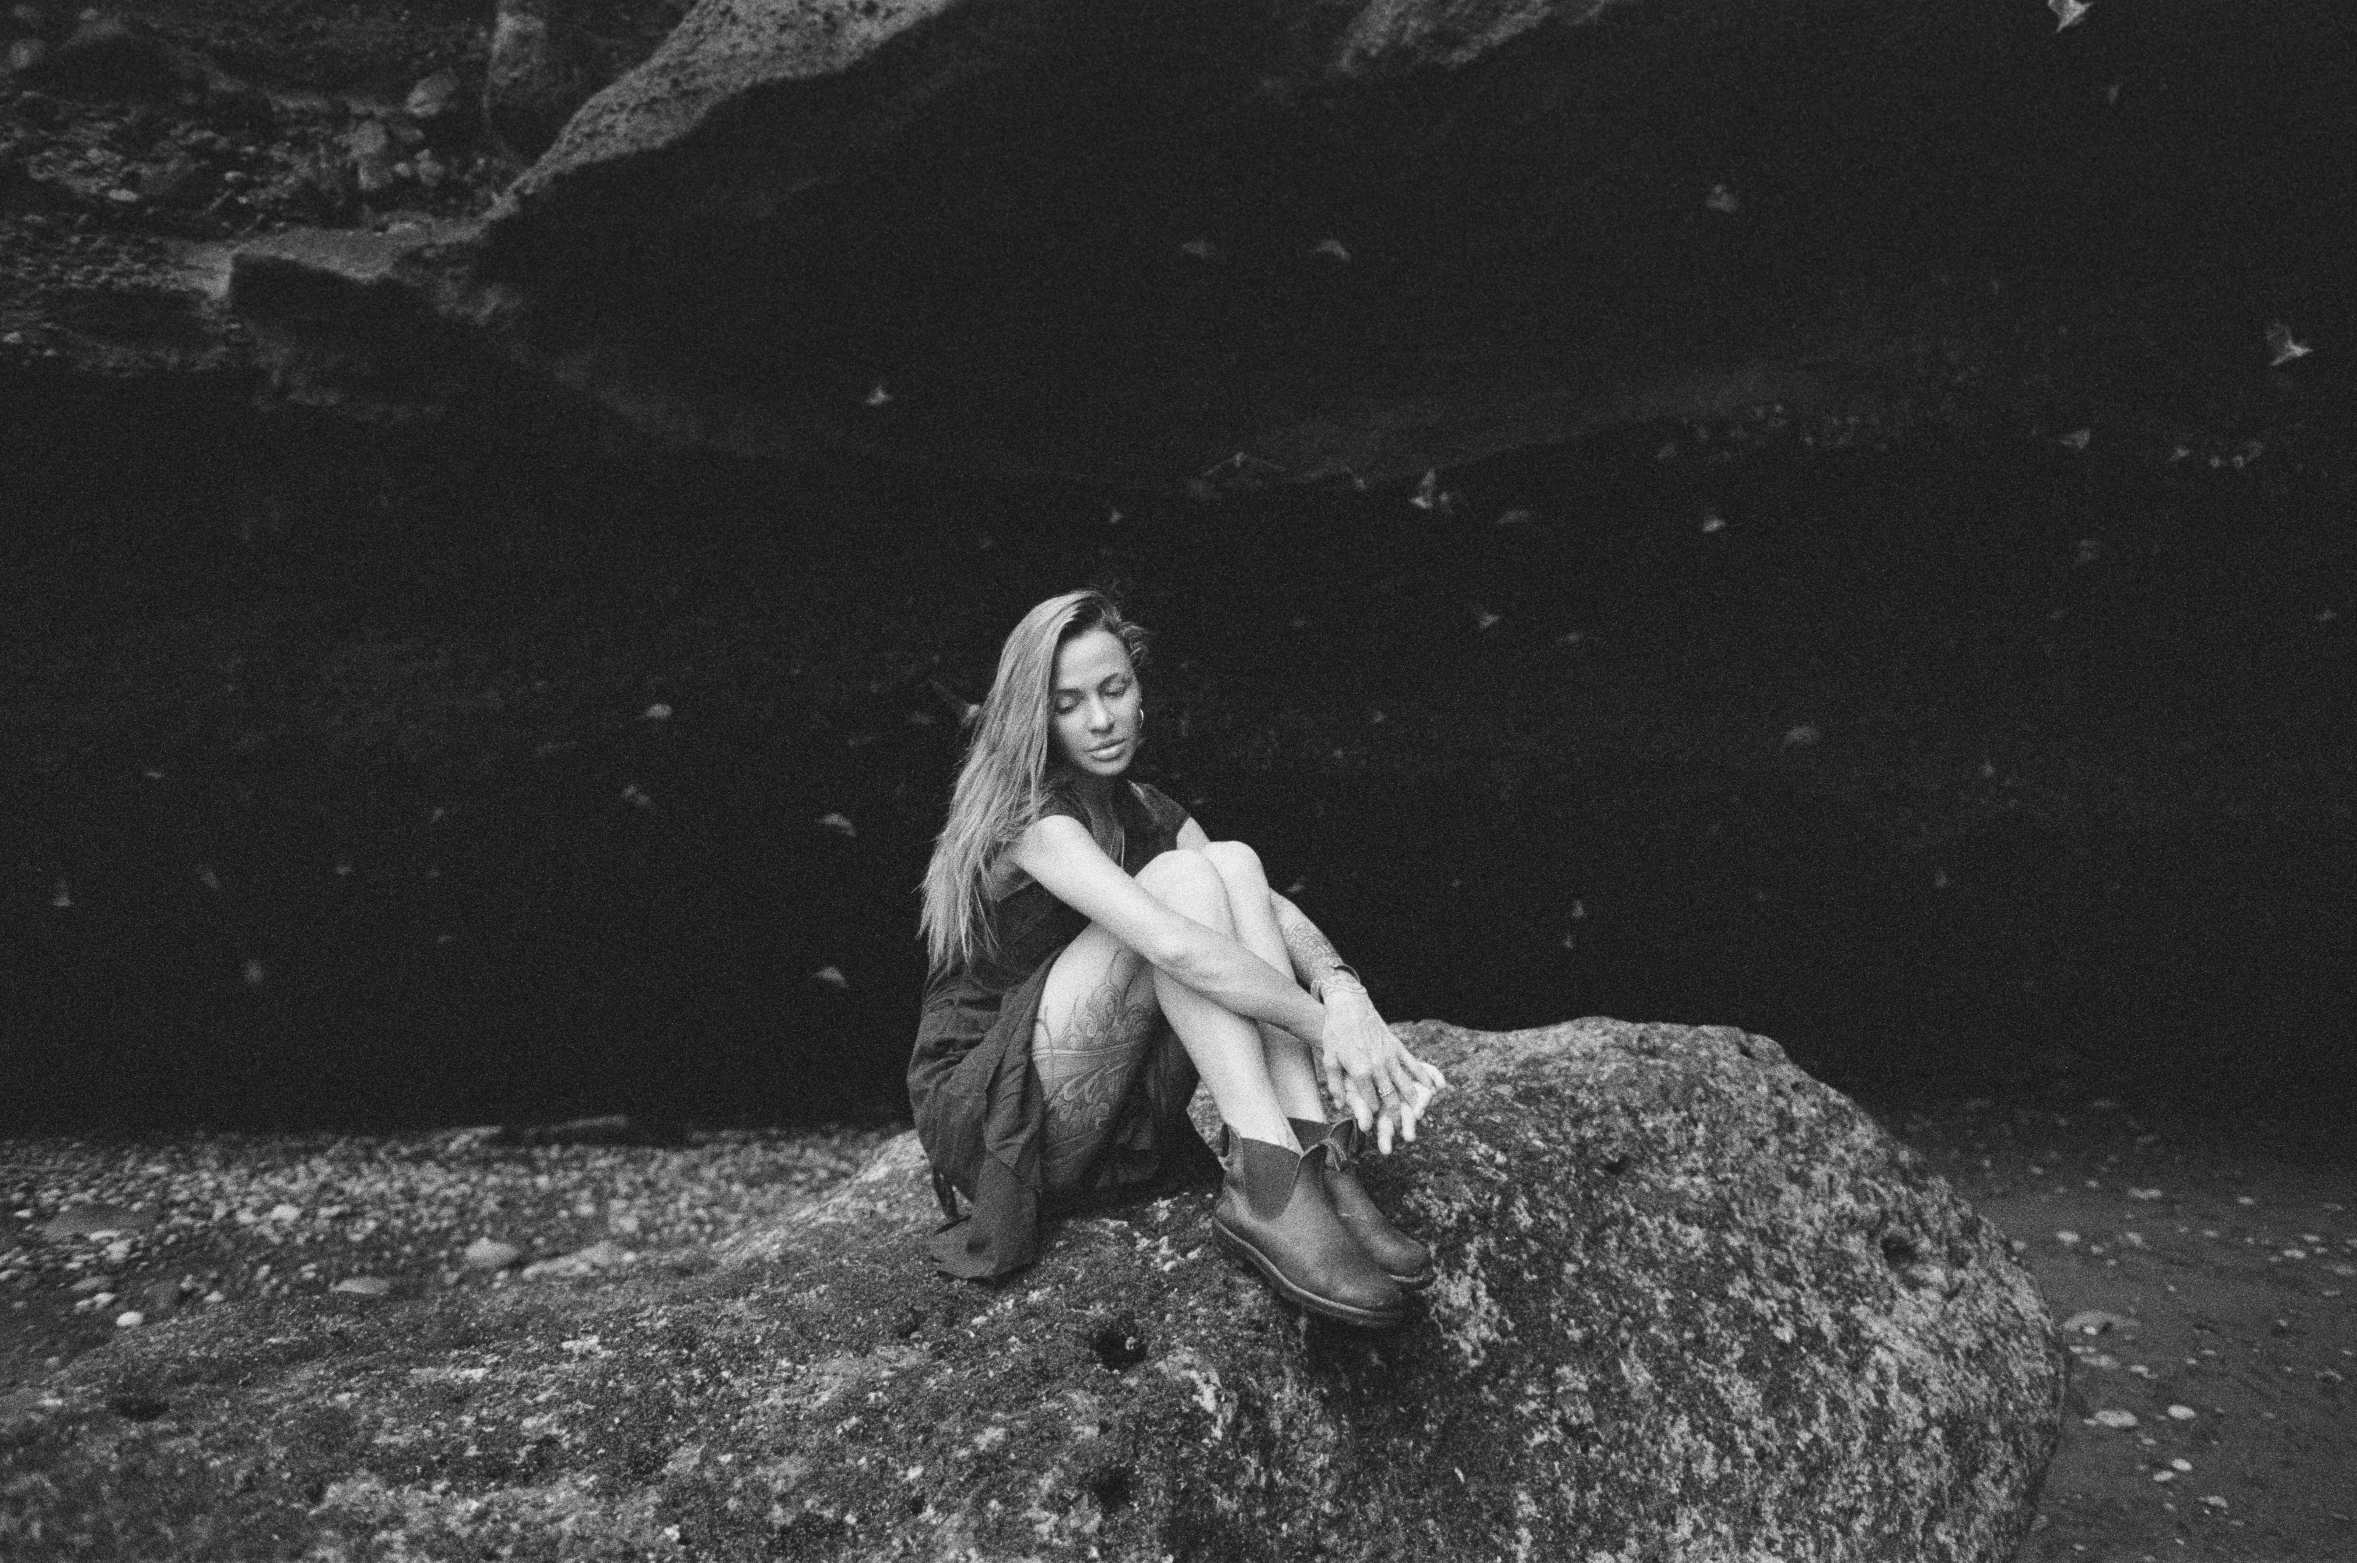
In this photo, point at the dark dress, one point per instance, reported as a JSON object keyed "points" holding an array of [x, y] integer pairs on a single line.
{"points": [[979, 1108]]}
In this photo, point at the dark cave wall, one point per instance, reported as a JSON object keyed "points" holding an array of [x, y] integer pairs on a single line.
{"points": [[1958, 761]]}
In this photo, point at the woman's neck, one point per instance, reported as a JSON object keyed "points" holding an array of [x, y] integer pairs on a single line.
{"points": [[1094, 789], [1099, 799]]}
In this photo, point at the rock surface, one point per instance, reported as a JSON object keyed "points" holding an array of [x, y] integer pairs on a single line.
{"points": [[1354, 238], [538, 74], [1307, 239], [1692, 1304], [106, 56], [548, 56]]}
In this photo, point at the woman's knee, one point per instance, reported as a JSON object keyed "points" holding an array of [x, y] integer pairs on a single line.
{"points": [[1236, 862], [1187, 881]]}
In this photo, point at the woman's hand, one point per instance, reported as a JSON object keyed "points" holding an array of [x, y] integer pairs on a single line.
{"points": [[1369, 1072]]}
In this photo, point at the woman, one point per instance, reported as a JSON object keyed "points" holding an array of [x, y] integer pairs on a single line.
{"points": [[1093, 954]]}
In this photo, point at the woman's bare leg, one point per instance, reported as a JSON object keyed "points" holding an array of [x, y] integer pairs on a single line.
{"points": [[1095, 1024], [1226, 1048], [1293, 1071], [1098, 1021]]}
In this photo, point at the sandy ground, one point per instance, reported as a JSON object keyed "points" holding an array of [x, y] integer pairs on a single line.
{"points": [[2206, 1285], [2211, 1286]]}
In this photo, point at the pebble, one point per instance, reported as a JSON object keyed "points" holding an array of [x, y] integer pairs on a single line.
{"points": [[486, 1253], [2114, 1418], [363, 1285], [2182, 1413], [434, 96], [130, 1320]]}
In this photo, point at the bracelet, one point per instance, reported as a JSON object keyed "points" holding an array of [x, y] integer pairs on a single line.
{"points": [[1317, 989]]}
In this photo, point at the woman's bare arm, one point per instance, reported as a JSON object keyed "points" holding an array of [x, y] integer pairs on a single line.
{"points": [[1401, 1083], [1315, 960]]}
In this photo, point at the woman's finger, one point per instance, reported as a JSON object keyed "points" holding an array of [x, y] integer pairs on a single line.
{"points": [[1398, 1113], [1331, 1071], [1383, 1131], [1401, 1068]]}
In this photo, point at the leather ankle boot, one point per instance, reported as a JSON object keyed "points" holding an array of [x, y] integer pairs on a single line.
{"points": [[1274, 1215], [1406, 1261]]}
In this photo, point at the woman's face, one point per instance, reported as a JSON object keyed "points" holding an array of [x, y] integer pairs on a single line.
{"points": [[1095, 703]]}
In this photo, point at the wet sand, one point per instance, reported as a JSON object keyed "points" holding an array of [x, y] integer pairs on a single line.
{"points": [[2213, 1289]]}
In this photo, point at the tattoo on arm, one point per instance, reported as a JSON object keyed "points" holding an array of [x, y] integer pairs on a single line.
{"points": [[1315, 960]]}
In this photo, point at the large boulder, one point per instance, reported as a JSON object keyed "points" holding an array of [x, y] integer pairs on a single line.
{"points": [[1693, 1305]]}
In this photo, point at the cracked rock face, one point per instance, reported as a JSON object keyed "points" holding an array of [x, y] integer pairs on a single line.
{"points": [[1357, 238], [1693, 1304]]}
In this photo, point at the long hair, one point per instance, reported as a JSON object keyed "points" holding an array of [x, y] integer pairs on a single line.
{"points": [[1004, 783]]}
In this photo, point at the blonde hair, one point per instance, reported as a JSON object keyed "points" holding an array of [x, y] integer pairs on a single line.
{"points": [[1004, 784]]}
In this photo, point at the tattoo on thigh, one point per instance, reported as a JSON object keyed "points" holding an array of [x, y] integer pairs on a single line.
{"points": [[1085, 1070], [1104, 1031]]}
